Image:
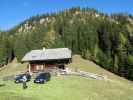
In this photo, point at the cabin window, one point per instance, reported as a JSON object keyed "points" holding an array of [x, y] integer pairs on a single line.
{"points": [[62, 66]]}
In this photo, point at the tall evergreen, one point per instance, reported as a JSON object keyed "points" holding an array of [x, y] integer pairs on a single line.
{"points": [[105, 39]]}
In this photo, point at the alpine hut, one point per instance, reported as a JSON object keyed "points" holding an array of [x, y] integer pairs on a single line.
{"points": [[47, 58]]}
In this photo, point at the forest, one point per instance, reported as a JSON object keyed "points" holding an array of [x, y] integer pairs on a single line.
{"points": [[104, 39]]}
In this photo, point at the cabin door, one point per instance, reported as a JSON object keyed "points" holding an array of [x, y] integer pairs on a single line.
{"points": [[33, 67]]}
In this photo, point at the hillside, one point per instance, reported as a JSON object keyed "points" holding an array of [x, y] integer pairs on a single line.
{"points": [[12, 68], [69, 87], [104, 39], [89, 66]]}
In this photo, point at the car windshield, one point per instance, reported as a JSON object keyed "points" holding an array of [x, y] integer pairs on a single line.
{"points": [[19, 76], [41, 75]]}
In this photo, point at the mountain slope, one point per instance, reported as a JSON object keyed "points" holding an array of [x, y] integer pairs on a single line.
{"points": [[105, 39], [89, 66], [70, 87]]}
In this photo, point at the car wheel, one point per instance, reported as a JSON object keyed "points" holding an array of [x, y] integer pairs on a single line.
{"points": [[16, 81]]}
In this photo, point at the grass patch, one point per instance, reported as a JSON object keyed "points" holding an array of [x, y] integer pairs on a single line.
{"points": [[89, 66], [68, 87]]}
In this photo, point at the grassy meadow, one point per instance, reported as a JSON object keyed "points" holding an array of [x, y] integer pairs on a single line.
{"points": [[68, 87]]}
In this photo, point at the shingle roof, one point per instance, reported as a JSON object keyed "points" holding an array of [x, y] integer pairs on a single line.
{"points": [[47, 54]]}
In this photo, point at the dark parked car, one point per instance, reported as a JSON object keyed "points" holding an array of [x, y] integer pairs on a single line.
{"points": [[19, 78], [42, 78]]}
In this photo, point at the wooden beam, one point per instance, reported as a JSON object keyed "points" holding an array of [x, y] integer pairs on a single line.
{"points": [[29, 68]]}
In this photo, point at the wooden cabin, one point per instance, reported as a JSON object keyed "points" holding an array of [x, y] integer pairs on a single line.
{"points": [[41, 60]]}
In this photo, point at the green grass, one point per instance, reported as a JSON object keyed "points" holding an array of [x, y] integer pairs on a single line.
{"points": [[70, 87], [89, 66], [13, 69]]}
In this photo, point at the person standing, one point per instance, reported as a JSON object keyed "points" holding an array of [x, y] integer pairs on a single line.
{"points": [[24, 82]]}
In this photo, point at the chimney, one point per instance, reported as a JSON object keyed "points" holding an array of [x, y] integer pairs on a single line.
{"points": [[43, 49]]}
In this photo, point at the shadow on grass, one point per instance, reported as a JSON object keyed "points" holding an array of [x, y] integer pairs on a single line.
{"points": [[2, 85]]}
